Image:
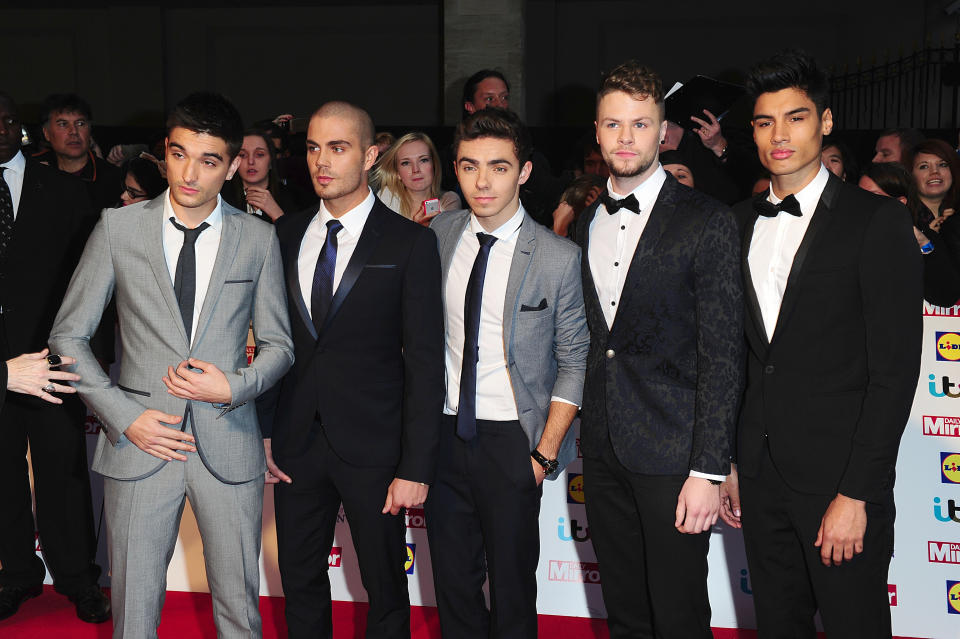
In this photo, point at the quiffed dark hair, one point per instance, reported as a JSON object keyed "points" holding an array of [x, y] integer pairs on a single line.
{"points": [[790, 69], [634, 79], [495, 123], [64, 103], [209, 113], [470, 88]]}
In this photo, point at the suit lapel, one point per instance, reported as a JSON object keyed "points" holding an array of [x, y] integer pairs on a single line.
{"points": [[293, 271], [226, 253], [817, 222], [449, 242], [660, 216], [753, 303], [590, 297], [151, 230], [522, 255], [369, 238]]}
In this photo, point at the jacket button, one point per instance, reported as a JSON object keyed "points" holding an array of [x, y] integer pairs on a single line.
{"points": [[768, 369], [610, 354]]}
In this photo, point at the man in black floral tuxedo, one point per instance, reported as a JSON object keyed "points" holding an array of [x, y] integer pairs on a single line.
{"points": [[662, 288]]}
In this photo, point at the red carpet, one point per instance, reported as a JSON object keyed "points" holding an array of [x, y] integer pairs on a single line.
{"points": [[189, 616]]}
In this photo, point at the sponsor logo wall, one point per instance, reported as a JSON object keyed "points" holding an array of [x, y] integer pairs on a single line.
{"points": [[924, 579]]}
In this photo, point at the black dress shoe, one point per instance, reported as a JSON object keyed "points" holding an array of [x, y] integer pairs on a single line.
{"points": [[12, 596], [92, 605]]}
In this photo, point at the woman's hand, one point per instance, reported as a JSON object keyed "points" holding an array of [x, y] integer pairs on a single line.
{"points": [[32, 374], [263, 200]]}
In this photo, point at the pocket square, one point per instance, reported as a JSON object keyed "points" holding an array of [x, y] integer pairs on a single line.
{"points": [[238, 281], [539, 307], [380, 266]]}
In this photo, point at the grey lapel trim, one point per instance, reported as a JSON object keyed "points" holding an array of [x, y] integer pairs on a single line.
{"points": [[151, 231], [226, 253], [519, 266], [449, 243]]}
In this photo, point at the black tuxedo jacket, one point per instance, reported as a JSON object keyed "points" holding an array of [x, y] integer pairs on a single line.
{"points": [[665, 380], [53, 219], [831, 391], [374, 376]]}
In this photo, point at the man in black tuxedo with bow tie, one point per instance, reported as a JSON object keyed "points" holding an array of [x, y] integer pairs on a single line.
{"points": [[833, 284], [661, 285]]}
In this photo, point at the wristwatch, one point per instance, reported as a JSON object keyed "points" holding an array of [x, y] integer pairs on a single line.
{"points": [[549, 465]]}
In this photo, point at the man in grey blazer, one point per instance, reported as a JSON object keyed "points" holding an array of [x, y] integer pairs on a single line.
{"points": [[189, 274], [516, 348]]}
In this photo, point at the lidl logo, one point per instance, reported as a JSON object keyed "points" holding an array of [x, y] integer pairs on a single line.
{"points": [[950, 468], [336, 554], [948, 346], [575, 488], [411, 558], [953, 597]]}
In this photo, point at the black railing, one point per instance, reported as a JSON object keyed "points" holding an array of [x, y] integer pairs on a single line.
{"points": [[917, 90]]}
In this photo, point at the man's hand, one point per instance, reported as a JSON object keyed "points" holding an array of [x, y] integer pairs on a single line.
{"points": [[730, 499], [841, 530], [404, 494], [538, 472], [273, 475], [150, 433], [710, 133], [697, 506], [210, 385]]}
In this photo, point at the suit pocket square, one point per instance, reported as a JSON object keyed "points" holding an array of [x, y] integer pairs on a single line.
{"points": [[238, 282], [539, 307], [380, 266]]}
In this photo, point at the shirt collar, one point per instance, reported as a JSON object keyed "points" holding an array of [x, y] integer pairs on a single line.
{"points": [[354, 219], [17, 163], [503, 231], [646, 191], [808, 196], [214, 219]]}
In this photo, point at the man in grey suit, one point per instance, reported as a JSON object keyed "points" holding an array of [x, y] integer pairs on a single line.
{"points": [[516, 348], [189, 274]]}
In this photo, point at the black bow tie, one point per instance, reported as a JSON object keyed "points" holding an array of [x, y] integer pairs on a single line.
{"points": [[768, 209], [613, 205]]}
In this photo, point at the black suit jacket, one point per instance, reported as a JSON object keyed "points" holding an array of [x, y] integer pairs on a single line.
{"points": [[51, 226], [374, 377], [665, 380], [831, 391]]}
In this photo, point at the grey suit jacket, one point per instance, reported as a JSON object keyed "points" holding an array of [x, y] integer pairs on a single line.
{"points": [[124, 257], [545, 331]]}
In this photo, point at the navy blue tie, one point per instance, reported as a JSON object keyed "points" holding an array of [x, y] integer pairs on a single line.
{"points": [[467, 409], [322, 292]]}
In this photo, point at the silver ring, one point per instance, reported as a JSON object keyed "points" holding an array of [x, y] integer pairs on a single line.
{"points": [[49, 388], [54, 360]]}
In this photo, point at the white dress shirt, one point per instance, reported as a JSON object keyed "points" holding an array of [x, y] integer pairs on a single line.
{"points": [[613, 241], [614, 238], [774, 245], [316, 234], [208, 243], [13, 176], [495, 400]]}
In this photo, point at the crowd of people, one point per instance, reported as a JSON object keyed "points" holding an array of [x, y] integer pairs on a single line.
{"points": [[428, 324]]}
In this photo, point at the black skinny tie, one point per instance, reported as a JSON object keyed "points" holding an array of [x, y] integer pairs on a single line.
{"points": [[185, 278]]}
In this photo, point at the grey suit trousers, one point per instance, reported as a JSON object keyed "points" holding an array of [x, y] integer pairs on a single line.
{"points": [[143, 519]]}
